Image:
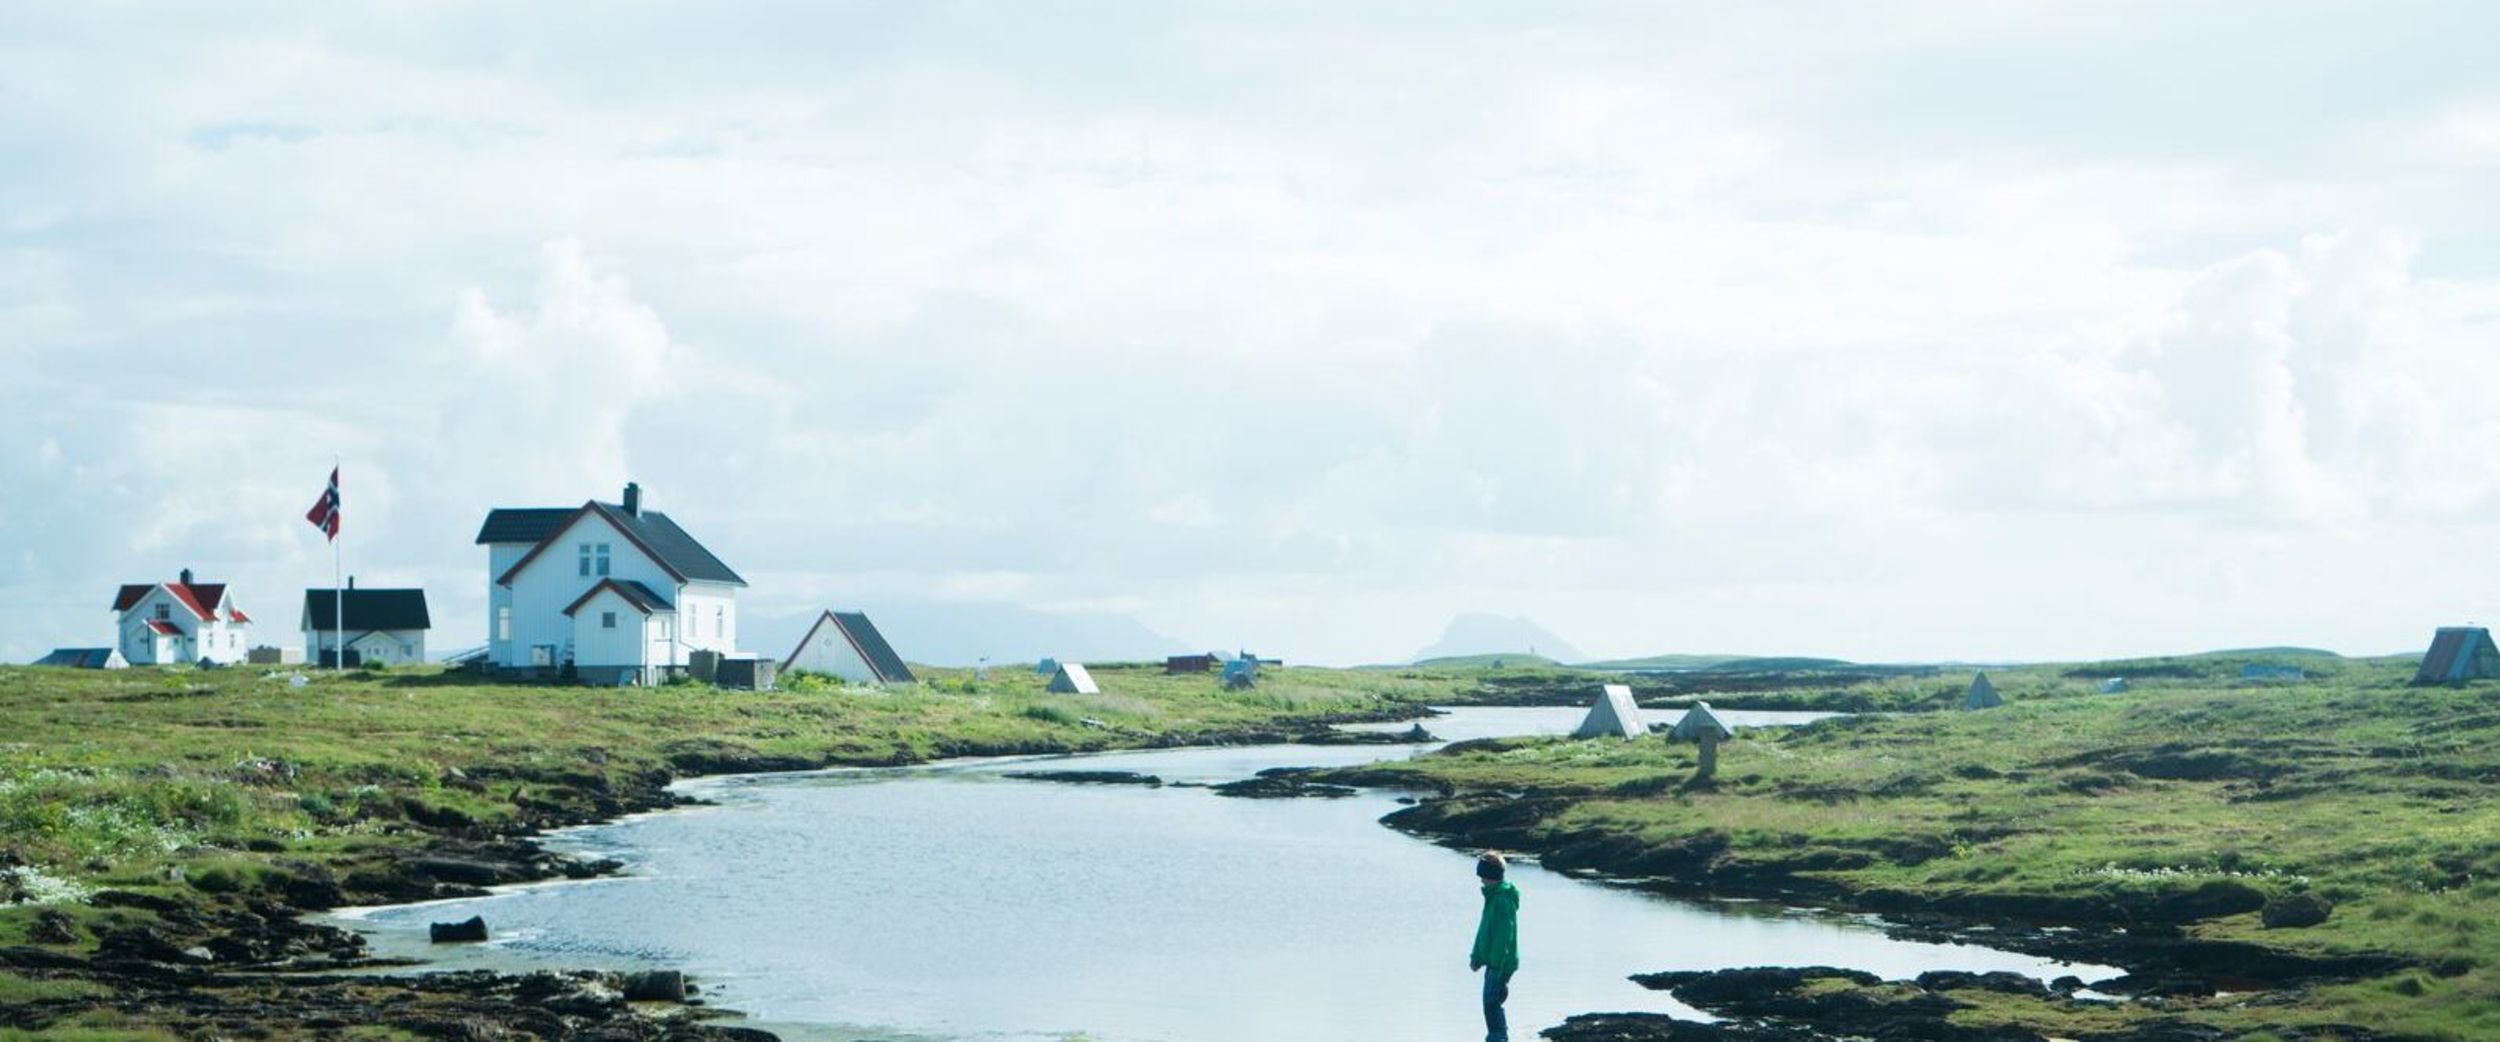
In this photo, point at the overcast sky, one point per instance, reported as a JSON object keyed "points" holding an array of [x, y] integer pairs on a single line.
{"points": [[1897, 331]]}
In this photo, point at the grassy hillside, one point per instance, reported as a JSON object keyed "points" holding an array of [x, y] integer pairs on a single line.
{"points": [[185, 800], [2189, 803]]}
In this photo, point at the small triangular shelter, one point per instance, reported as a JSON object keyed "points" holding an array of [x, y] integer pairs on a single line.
{"points": [[1046, 667], [845, 644], [1072, 679], [1698, 721], [1240, 674], [2114, 686], [1983, 695], [1614, 713], [2459, 653]]}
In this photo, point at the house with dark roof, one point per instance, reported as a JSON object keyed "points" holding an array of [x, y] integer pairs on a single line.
{"points": [[385, 626], [845, 644], [619, 593], [180, 621]]}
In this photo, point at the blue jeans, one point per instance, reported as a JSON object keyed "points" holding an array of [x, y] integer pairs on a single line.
{"points": [[1496, 992]]}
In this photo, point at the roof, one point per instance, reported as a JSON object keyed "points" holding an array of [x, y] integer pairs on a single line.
{"points": [[236, 615], [367, 610], [1699, 720], [658, 537], [523, 524], [881, 658], [1614, 713], [1072, 677], [2459, 653], [77, 658], [1983, 695], [201, 599], [164, 627], [643, 598]]}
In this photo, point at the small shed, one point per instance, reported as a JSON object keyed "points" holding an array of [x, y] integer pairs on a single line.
{"points": [[1614, 713], [745, 673], [1183, 664], [1240, 674], [85, 658], [1072, 679], [2459, 653], [1983, 695], [1046, 667], [845, 644], [2114, 686]]}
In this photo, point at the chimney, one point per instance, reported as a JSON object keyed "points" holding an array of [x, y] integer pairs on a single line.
{"points": [[633, 499], [186, 577], [351, 582]]}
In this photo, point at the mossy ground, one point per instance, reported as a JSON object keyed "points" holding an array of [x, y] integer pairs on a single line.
{"points": [[2353, 787]]}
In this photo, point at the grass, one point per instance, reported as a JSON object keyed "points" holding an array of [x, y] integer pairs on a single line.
{"points": [[2355, 788]]}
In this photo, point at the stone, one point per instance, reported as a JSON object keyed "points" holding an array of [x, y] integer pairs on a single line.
{"points": [[467, 931], [2295, 911], [53, 926], [655, 986]]}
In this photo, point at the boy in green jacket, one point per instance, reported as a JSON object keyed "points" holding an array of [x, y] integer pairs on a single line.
{"points": [[1497, 944]]}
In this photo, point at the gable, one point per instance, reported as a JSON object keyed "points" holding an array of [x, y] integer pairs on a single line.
{"points": [[589, 527], [658, 539]]}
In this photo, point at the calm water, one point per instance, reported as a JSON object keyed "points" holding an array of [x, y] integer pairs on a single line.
{"points": [[954, 903]]}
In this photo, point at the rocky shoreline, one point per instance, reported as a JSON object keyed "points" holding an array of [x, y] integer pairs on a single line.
{"points": [[248, 964], [2145, 939]]}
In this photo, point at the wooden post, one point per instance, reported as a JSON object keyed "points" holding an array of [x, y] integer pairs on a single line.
{"points": [[1709, 755]]}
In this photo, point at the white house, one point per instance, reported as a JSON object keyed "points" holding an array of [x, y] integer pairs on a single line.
{"points": [[620, 593], [180, 621], [845, 644], [385, 626]]}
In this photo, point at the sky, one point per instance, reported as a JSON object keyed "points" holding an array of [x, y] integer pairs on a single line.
{"points": [[1886, 332]]}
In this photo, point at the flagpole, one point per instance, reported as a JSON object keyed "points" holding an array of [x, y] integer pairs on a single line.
{"points": [[338, 581]]}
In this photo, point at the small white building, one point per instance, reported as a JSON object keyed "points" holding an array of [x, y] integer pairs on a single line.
{"points": [[180, 621], [620, 593], [845, 644], [1613, 714], [1072, 679], [382, 626]]}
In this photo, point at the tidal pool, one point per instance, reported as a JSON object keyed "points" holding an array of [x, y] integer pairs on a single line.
{"points": [[951, 902]]}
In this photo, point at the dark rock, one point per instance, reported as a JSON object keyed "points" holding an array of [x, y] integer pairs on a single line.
{"points": [[2294, 911], [1713, 988], [130, 899], [1270, 786], [2210, 900], [1088, 777], [53, 926], [470, 871], [655, 986], [2000, 980], [470, 930], [142, 944], [1659, 1027]]}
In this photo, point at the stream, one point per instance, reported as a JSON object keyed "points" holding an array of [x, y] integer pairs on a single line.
{"points": [[949, 902]]}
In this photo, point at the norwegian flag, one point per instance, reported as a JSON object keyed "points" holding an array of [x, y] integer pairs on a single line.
{"points": [[325, 512]]}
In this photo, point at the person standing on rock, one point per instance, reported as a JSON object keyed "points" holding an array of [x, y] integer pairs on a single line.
{"points": [[1497, 944]]}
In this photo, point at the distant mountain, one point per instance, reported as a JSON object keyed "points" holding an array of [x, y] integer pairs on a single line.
{"points": [[1519, 658], [941, 633], [1477, 633]]}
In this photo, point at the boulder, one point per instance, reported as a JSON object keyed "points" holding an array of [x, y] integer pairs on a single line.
{"points": [[466, 931], [2294, 911], [655, 986]]}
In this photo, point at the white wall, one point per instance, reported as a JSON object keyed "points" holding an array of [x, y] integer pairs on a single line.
{"points": [[708, 616], [828, 652], [543, 590], [214, 640], [595, 644], [500, 557]]}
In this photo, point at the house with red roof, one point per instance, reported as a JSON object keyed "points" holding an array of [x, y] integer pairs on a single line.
{"points": [[181, 621]]}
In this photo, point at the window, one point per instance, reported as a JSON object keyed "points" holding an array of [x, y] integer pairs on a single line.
{"points": [[599, 558], [503, 623], [585, 558], [164, 612], [668, 628], [720, 621], [607, 620]]}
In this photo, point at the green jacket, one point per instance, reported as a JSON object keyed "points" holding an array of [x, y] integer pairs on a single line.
{"points": [[1497, 934]]}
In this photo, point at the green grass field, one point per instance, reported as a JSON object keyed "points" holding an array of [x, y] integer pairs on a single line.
{"points": [[2353, 788]]}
